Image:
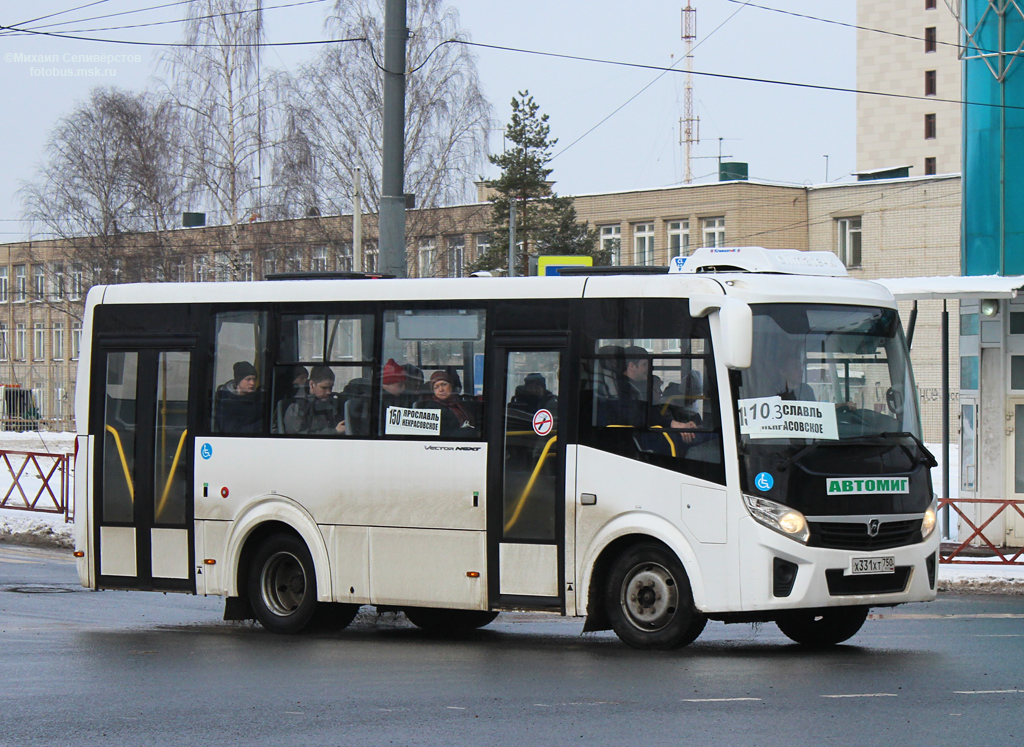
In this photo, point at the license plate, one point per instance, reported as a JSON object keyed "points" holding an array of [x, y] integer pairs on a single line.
{"points": [[867, 566]]}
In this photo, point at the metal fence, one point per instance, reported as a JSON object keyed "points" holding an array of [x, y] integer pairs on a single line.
{"points": [[965, 553], [37, 481]]}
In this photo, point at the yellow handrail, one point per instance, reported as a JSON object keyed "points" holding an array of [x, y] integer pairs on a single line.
{"points": [[529, 486], [124, 462], [170, 476]]}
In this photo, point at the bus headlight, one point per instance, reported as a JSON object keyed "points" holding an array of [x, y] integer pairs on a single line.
{"points": [[928, 522], [782, 519]]}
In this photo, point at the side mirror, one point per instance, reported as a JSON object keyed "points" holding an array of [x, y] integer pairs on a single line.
{"points": [[732, 327]]}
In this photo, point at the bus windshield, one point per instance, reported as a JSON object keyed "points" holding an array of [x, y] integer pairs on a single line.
{"points": [[826, 373]]}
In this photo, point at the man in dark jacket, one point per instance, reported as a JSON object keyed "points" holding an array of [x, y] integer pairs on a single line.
{"points": [[239, 406], [319, 412]]}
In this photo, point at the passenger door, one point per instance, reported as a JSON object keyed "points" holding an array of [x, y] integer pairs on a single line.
{"points": [[526, 512], [143, 494]]}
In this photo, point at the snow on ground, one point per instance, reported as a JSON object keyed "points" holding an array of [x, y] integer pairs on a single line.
{"points": [[50, 529]]}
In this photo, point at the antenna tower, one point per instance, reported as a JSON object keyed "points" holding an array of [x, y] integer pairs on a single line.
{"points": [[689, 125]]}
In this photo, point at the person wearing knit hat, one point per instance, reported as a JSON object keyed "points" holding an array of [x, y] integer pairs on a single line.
{"points": [[244, 377], [443, 392], [392, 381], [239, 406]]}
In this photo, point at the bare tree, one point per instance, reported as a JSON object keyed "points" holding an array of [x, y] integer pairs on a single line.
{"points": [[215, 80], [112, 169], [337, 113]]}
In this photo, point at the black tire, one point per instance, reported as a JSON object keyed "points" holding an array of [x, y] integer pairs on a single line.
{"points": [[448, 622], [282, 584], [649, 602], [822, 627]]}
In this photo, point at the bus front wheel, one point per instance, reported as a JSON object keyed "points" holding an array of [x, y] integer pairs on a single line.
{"points": [[824, 627], [282, 584], [649, 602]]}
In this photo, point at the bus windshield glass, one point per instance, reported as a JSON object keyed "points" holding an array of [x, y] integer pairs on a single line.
{"points": [[826, 373]]}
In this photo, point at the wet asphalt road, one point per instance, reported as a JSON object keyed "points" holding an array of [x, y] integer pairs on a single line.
{"points": [[119, 668]]}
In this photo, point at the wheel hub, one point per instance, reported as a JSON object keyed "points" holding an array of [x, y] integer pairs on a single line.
{"points": [[650, 596], [283, 583]]}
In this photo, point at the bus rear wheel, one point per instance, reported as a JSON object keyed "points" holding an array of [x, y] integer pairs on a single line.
{"points": [[448, 621], [282, 585], [649, 602], [823, 627]]}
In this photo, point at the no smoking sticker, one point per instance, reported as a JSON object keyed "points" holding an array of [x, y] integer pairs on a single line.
{"points": [[543, 422]]}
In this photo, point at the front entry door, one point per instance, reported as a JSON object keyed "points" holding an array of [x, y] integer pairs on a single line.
{"points": [[527, 488], [144, 509]]}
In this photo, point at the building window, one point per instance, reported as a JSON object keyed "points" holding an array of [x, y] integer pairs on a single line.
{"points": [[714, 231], [930, 40], [199, 271], [483, 244], [293, 260], [611, 242], [221, 267], [76, 340], [20, 341], [60, 290], [346, 261], [3, 285], [930, 85], [246, 267], [929, 166], [58, 341], [456, 255], [115, 270], [269, 262], [319, 260], [929, 4], [679, 238], [426, 257], [38, 283], [643, 243], [4, 342], [38, 341], [848, 240], [77, 283], [929, 126], [370, 253], [20, 282]]}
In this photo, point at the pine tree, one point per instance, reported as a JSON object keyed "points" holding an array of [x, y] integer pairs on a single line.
{"points": [[545, 222]]}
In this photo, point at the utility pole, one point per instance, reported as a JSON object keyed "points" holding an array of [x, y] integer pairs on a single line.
{"points": [[689, 125], [512, 237], [392, 201], [357, 222]]}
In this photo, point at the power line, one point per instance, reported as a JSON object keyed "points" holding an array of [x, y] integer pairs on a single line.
{"points": [[847, 25], [62, 12], [743, 78], [138, 43], [184, 20]]}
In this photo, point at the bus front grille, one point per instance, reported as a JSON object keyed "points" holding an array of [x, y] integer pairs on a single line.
{"points": [[842, 535]]}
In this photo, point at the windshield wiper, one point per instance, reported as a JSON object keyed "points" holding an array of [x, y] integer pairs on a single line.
{"points": [[926, 456]]}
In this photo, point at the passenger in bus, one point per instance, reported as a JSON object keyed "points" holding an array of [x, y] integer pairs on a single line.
{"points": [[533, 395], [634, 406], [793, 371], [392, 382], [455, 416], [319, 412], [414, 381], [239, 405]]}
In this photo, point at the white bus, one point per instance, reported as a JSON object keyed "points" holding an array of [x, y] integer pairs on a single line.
{"points": [[736, 441]]}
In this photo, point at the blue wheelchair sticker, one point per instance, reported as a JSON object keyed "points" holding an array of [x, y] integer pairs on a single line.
{"points": [[763, 482], [207, 451]]}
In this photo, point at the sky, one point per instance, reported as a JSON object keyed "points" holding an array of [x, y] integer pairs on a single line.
{"points": [[617, 126]]}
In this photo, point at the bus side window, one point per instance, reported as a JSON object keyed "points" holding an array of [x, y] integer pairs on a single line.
{"points": [[239, 375], [647, 386], [323, 375], [432, 376]]}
